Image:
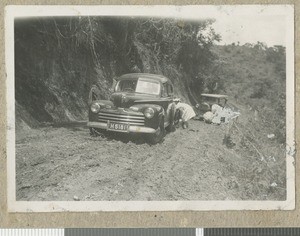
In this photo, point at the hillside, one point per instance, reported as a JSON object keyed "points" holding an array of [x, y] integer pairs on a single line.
{"points": [[58, 60], [254, 77]]}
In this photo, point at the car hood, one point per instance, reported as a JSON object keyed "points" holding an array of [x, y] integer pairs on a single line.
{"points": [[126, 100]]}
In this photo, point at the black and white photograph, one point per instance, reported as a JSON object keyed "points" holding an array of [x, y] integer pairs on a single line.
{"points": [[125, 108]]}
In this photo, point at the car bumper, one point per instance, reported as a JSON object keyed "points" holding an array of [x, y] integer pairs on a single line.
{"points": [[132, 128]]}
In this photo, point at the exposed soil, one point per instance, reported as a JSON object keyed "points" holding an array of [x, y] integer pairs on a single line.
{"points": [[65, 163]]}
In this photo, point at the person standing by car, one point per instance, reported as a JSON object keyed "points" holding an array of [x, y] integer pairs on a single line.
{"points": [[185, 112]]}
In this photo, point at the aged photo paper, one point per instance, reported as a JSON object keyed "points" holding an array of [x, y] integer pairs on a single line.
{"points": [[150, 108]]}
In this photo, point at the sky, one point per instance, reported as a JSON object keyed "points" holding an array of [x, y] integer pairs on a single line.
{"points": [[244, 29]]}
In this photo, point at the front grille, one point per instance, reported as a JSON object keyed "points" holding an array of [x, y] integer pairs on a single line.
{"points": [[138, 120]]}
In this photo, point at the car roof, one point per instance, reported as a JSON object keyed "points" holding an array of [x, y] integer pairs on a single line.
{"points": [[160, 78], [214, 95]]}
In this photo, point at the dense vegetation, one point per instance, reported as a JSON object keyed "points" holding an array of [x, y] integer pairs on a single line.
{"points": [[59, 59], [254, 76]]}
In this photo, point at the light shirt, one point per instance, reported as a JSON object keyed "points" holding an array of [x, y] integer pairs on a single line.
{"points": [[188, 111], [223, 114]]}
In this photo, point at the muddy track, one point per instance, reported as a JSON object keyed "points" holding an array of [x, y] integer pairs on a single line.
{"points": [[58, 163]]}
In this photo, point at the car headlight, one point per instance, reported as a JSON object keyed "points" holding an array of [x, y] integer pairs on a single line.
{"points": [[149, 112], [95, 107], [133, 108]]}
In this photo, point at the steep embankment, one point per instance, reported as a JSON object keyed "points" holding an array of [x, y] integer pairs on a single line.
{"points": [[56, 64], [59, 59]]}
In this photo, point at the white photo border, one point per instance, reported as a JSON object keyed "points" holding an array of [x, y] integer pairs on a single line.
{"points": [[207, 11]]}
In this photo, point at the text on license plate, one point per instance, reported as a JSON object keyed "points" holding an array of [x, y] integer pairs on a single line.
{"points": [[117, 126]]}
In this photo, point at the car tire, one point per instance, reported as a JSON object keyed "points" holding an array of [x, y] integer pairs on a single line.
{"points": [[95, 132], [159, 135], [171, 127], [205, 107]]}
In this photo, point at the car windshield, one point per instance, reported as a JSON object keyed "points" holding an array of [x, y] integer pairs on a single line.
{"points": [[139, 86], [126, 86]]}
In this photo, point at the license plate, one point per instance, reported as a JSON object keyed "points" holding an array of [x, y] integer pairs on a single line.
{"points": [[117, 126]]}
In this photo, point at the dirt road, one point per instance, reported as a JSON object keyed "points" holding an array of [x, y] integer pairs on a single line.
{"points": [[60, 163]]}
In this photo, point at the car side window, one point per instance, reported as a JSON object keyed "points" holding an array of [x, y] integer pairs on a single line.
{"points": [[164, 92], [170, 90]]}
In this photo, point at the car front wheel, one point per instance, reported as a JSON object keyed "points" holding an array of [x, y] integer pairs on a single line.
{"points": [[95, 132], [159, 135], [171, 127]]}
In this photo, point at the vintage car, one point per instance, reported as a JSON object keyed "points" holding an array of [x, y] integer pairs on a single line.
{"points": [[140, 103]]}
